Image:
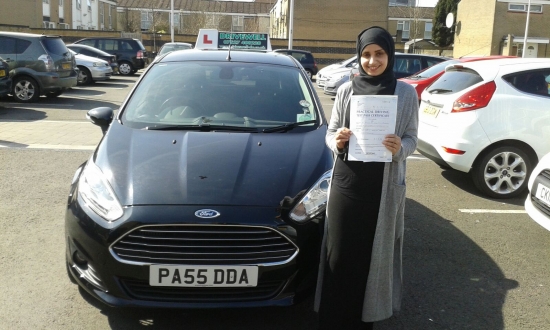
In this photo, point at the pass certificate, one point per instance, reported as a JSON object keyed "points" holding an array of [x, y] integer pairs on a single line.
{"points": [[372, 117]]}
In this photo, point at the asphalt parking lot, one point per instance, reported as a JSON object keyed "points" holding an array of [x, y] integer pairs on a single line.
{"points": [[469, 262]]}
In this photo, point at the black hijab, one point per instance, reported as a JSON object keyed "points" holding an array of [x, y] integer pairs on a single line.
{"points": [[385, 83]]}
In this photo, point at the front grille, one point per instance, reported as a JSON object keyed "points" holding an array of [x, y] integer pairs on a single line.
{"points": [[203, 245], [142, 290], [537, 202]]}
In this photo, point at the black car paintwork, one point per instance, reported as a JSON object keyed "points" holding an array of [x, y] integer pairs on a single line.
{"points": [[204, 168]]}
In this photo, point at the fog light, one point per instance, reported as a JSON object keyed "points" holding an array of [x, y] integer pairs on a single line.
{"points": [[79, 260]]}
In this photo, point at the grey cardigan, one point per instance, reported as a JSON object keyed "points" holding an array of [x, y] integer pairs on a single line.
{"points": [[384, 285]]}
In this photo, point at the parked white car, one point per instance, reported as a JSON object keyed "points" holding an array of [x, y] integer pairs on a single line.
{"points": [[537, 203], [322, 75], [92, 69], [488, 118]]}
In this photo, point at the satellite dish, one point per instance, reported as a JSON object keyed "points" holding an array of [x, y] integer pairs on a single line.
{"points": [[449, 20]]}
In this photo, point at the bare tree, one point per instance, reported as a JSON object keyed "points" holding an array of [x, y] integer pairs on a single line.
{"points": [[415, 15], [130, 21]]}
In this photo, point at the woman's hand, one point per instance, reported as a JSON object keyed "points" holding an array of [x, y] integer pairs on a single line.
{"points": [[392, 143], [342, 136]]}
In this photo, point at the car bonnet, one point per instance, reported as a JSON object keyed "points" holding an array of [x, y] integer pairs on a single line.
{"points": [[210, 168]]}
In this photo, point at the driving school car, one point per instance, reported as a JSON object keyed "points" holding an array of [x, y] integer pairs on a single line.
{"points": [[209, 186]]}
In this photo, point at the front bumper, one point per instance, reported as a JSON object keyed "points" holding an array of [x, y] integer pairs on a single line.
{"points": [[5, 87], [122, 281], [101, 73]]}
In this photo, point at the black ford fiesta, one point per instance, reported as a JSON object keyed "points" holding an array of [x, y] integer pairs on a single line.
{"points": [[208, 188]]}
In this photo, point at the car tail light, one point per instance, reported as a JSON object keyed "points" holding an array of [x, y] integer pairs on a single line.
{"points": [[140, 54], [476, 98], [453, 151], [48, 61]]}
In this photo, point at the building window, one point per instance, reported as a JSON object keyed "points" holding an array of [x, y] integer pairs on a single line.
{"points": [[60, 3], [146, 20], [523, 7], [101, 14], [78, 6], [428, 30], [89, 5], [405, 27], [110, 18], [45, 1], [399, 3], [238, 24]]}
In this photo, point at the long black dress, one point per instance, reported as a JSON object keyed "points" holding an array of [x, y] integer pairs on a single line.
{"points": [[354, 201]]}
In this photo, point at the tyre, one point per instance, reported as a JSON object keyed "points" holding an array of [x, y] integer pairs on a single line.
{"points": [[25, 89], [84, 76], [309, 74], [502, 172], [125, 68]]}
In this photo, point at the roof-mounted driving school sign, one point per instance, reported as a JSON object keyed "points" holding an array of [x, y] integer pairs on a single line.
{"points": [[214, 39]]}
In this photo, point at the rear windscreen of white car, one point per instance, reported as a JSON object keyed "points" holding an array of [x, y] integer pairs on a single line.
{"points": [[454, 81]]}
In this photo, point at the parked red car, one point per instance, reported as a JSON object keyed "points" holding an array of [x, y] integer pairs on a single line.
{"points": [[424, 78]]}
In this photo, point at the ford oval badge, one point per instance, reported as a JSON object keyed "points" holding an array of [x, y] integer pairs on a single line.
{"points": [[207, 214]]}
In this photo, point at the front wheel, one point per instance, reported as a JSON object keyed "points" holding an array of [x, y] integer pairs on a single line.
{"points": [[84, 76], [502, 172], [309, 74], [25, 90], [125, 69]]}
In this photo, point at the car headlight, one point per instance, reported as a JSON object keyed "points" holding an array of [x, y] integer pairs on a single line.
{"points": [[98, 64], [314, 201], [97, 193]]}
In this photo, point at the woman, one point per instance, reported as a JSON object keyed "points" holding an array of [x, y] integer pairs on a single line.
{"points": [[360, 272]]}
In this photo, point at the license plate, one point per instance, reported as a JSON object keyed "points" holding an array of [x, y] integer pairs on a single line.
{"points": [[2, 73], [66, 66], [431, 110], [203, 276], [543, 194]]}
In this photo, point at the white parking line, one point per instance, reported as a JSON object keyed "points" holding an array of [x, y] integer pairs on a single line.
{"points": [[47, 146], [492, 211]]}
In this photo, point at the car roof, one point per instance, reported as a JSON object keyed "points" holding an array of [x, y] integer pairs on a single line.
{"points": [[236, 56], [292, 50], [29, 35], [89, 48], [488, 70], [177, 43]]}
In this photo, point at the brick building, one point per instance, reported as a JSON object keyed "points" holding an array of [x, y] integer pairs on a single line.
{"points": [[497, 27]]}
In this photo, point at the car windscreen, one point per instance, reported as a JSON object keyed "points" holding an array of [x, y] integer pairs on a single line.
{"points": [[222, 94], [54, 46], [434, 69], [454, 81]]}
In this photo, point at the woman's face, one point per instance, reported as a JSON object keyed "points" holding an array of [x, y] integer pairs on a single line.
{"points": [[374, 60]]}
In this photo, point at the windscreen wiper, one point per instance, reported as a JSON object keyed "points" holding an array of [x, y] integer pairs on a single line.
{"points": [[439, 91], [202, 128], [288, 126]]}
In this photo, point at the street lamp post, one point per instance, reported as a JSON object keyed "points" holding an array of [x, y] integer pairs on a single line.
{"points": [[290, 23], [526, 29]]}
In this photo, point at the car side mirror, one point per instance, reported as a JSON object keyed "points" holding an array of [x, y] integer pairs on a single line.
{"points": [[102, 117]]}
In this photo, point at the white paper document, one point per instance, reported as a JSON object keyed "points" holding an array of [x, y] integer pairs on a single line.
{"points": [[372, 117]]}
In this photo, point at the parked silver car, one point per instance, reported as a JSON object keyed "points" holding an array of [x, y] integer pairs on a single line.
{"points": [[325, 72], [91, 69]]}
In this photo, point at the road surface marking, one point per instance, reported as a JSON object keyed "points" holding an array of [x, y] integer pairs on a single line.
{"points": [[492, 211]]}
